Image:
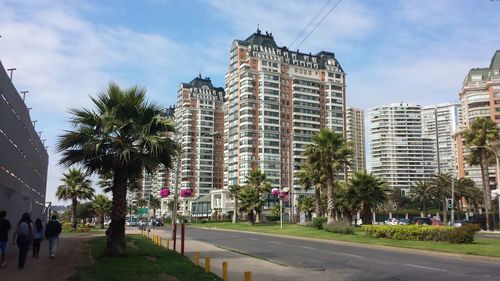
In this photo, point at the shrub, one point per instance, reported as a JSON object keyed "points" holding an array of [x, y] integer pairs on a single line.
{"points": [[66, 227], [318, 222], [341, 227], [422, 232], [272, 218], [82, 228]]}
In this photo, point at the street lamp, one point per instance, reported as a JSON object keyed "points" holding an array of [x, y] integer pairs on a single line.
{"points": [[497, 173]]}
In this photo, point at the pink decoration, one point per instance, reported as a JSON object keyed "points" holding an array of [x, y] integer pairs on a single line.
{"points": [[275, 192], [282, 195], [164, 192], [186, 192]]}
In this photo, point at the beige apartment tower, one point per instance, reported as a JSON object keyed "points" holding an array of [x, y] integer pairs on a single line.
{"points": [[355, 134]]}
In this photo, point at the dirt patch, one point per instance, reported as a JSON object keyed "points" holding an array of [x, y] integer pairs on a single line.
{"points": [[166, 277]]}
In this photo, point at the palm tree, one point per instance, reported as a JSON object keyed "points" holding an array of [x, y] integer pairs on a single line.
{"points": [[370, 191], [250, 202], [123, 134], [259, 182], [310, 177], [481, 132], [234, 191], [102, 206], [441, 189], [331, 152], [154, 203], [75, 187], [421, 192], [307, 205], [462, 189]]}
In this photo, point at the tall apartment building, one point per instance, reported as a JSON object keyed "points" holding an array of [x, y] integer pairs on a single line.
{"points": [[479, 97], [448, 117], [23, 157], [199, 120], [355, 134], [401, 155], [276, 100]]}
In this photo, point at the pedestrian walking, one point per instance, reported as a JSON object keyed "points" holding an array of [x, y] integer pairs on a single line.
{"points": [[37, 237], [23, 237], [52, 231], [4, 235]]}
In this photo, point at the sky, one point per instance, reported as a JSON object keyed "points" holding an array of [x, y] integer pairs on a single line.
{"points": [[416, 51]]}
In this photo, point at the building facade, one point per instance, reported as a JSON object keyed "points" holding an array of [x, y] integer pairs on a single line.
{"points": [[199, 121], [23, 160], [400, 154], [479, 97], [276, 100], [448, 117], [355, 134]]}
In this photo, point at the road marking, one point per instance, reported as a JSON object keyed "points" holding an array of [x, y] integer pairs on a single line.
{"points": [[347, 254], [235, 236], [424, 267], [254, 239], [309, 248], [275, 242]]}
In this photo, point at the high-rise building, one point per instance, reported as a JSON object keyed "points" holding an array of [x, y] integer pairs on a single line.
{"points": [[479, 97], [276, 100], [400, 154], [199, 120], [448, 117], [355, 134]]}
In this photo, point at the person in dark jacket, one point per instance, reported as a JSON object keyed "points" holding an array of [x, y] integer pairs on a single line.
{"points": [[52, 231], [23, 237], [37, 237], [4, 235]]}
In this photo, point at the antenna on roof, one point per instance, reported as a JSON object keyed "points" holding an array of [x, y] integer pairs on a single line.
{"points": [[199, 74], [258, 30]]}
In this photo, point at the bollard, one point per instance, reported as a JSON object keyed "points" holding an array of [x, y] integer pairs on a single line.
{"points": [[182, 239], [167, 244], [207, 264], [159, 241], [248, 276], [224, 271], [197, 258]]}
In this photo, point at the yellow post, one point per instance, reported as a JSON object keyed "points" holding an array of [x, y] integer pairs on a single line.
{"points": [[167, 242], [207, 264], [197, 258], [159, 241], [224, 271], [248, 276]]}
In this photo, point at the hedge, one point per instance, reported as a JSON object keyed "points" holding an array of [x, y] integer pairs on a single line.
{"points": [[340, 227], [318, 222], [449, 234]]}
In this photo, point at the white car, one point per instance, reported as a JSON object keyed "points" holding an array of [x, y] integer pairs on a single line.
{"points": [[392, 221]]}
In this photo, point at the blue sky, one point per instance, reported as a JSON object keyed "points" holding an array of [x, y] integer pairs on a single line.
{"points": [[416, 51]]}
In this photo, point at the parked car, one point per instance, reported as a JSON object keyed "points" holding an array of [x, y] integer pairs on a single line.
{"points": [[404, 221], [436, 221], [421, 221], [392, 221], [131, 223], [157, 222], [460, 223]]}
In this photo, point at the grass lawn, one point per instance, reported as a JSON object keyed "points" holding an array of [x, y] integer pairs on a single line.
{"points": [[481, 246], [93, 231], [145, 262]]}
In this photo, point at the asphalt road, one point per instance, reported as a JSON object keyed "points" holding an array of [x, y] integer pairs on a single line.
{"points": [[350, 262]]}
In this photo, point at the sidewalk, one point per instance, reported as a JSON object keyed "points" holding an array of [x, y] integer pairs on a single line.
{"points": [[262, 270], [71, 253]]}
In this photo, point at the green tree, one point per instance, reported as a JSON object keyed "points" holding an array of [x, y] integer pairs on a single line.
{"points": [[258, 181], [441, 189], [331, 152], [234, 191], [154, 203], [75, 187], [369, 190], [310, 177], [123, 134], [462, 190], [307, 205], [250, 201], [421, 191], [85, 212], [102, 207], [482, 132]]}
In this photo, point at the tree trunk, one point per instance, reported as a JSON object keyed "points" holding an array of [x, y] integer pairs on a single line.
{"points": [[329, 194], [486, 187], [235, 213], [366, 214], [424, 207], [317, 199], [74, 222], [250, 217], [445, 210], [348, 215], [116, 245], [257, 217]]}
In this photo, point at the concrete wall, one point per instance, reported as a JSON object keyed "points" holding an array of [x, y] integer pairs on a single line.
{"points": [[23, 157]]}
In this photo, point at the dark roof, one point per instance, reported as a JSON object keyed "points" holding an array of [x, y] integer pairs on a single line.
{"points": [[169, 112], [486, 72], [495, 61], [198, 82], [265, 40]]}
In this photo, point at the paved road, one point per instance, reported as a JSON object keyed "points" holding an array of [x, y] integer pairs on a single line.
{"points": [[350, 262]]}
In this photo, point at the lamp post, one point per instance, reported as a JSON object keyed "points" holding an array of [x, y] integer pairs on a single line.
{"points": [[497, 174]]}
